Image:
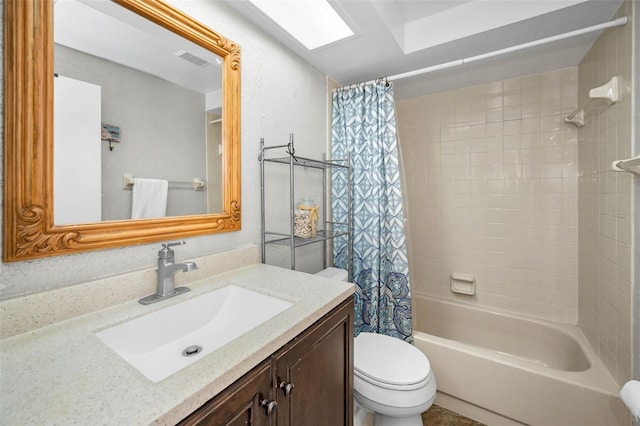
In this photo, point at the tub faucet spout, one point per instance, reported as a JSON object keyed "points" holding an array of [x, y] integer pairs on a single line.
{"points": [[167, 268]]}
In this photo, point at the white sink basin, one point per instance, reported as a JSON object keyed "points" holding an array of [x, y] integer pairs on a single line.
{"points": [[154, 343]]}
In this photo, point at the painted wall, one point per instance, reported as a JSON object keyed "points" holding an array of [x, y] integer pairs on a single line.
{"points": [[162, 129], [280, 94], [606, 212], [635, 291], [492, 191]]}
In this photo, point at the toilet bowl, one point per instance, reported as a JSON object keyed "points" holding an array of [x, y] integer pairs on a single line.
{"points": [[392, 378]]}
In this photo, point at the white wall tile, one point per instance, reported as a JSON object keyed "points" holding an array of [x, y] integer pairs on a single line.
{"points": [[604, 246], [525, 202], [504, 210]]}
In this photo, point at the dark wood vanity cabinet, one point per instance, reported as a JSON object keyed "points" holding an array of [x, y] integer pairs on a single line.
{"points": [[314, 373], [241, 404], [308, 382]]}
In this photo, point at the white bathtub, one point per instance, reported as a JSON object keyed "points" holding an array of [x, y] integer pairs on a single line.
{"points": [[499, 368]]}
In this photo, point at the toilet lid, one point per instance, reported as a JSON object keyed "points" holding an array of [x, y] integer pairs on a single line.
{"points": [[388, 360]]}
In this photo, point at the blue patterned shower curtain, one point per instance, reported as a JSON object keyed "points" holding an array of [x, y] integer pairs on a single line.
{"points": [[364, 125]]}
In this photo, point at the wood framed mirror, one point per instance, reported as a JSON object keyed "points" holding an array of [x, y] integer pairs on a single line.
{"points": [[29, 227]]}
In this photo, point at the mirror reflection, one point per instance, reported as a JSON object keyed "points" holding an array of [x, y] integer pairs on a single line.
{"points": [[132, 101]]}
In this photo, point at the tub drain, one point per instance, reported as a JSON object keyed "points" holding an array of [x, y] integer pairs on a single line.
{"points": [[192, 350]]}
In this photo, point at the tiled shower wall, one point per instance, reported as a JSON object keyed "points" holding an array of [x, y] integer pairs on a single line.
{"points": [[605, 205], [493, 192]]}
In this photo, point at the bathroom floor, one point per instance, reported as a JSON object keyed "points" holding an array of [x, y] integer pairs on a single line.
{"points": [[438, 416]]}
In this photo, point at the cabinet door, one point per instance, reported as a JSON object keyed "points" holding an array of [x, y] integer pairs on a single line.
{"points": [[239, 404], [77, 178], [314, 373]]}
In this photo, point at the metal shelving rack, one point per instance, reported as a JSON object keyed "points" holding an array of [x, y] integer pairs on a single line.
{"points": [[329, 231]]}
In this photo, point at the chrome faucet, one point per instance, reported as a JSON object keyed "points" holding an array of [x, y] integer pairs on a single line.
{"points": [[167, 268]]}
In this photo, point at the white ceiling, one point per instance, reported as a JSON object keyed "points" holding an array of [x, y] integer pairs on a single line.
{"points": [[109, 31], [392, 37], [396, 36]]}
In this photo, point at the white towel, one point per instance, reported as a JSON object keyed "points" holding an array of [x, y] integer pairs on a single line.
{"points": [[630, 395], [149, 198]]}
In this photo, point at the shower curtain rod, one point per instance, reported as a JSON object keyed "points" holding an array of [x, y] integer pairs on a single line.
{"points": [[458, 62]]}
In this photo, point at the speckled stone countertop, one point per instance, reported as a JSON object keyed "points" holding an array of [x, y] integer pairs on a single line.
{"points": [[63, 374]]}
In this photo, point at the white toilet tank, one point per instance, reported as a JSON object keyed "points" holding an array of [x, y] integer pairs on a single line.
{"points": [[334, 274]]}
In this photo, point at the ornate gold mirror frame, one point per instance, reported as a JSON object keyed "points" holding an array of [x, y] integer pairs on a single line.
{"points": [[29, 230]]}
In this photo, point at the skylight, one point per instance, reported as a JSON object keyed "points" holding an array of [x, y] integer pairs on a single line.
{"points": [[314, 23]]}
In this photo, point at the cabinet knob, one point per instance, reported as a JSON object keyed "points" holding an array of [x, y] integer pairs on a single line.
{"points": [[287, 388], [269, 406]]}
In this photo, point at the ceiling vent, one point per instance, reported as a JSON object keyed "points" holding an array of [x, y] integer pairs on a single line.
{"points": [[191, 58]]}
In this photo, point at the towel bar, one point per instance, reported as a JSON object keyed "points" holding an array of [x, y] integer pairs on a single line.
{"points": [[196, 184]]}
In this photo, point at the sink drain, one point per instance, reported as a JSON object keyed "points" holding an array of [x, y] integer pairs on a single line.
{"points": [[192, 350]]}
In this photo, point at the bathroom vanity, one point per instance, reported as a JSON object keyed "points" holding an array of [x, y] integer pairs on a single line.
{"points": [[295, 368], [308, 381]]}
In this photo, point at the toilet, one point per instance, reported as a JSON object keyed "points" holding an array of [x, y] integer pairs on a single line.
{"points": [[392, 378]]}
